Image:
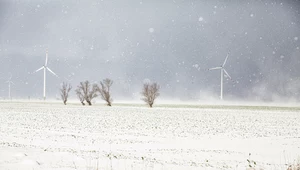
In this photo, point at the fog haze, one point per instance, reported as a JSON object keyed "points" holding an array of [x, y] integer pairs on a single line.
{"points": [[170, 42]]}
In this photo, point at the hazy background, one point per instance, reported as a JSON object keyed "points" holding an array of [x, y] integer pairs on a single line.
{"points": [[172, 42]]}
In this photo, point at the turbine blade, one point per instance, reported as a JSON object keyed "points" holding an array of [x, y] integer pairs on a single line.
{"points": [[51, 71], [39, 69], [225, 61], [46, 58], [227, 73], [215, 68], [10, 82]]}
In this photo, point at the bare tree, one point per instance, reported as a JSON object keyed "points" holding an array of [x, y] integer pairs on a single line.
{"points": [[64, 92], [80, 96], [150, 92], [104, 90], [85, 91]]}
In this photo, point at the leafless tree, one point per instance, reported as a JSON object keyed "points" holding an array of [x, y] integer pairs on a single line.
{"points": [[64, 92], [104, 90], [80, 96], [150, 92], [86, 91]]}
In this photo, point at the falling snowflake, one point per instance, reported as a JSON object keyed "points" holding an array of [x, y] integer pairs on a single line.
{"points": [[196, 65], [251, 15], [146, 81], [296, 38], [201, 19], [151, 30]]}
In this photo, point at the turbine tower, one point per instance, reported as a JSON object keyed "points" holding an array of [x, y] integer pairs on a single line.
{"points": [[222, 74], [9, 85], [45, 67]]}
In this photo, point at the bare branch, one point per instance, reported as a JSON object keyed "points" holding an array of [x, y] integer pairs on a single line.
{"points": [[104, 90], [64, 92], [80, 95], [86, 93], [150, 92]]}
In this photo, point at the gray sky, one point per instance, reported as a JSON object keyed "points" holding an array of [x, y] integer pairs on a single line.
{"points": [[172, 42]]}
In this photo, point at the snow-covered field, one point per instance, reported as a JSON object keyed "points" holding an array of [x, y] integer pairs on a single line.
{"points": [[47, 136]]}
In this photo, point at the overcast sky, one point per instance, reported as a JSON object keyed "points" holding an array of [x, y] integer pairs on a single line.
{"points": [[172, 42]]}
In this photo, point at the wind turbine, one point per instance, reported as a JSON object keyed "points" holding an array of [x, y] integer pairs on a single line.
{"points": [[9, 85], [45, 67], [222, 74]]}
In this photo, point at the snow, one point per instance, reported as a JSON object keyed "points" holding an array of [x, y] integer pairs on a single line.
{"points": [[151, 30], [196, 65], [53, 136], [200, 19], [146, 81]]}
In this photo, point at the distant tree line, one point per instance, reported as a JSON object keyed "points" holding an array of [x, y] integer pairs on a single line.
{"points": [[86, 92]]}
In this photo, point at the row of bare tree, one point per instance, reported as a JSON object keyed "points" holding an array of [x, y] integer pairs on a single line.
{"points": [[86, 92]]}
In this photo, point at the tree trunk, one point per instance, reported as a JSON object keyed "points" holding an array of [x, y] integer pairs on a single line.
{"points": [[65, 102], [89, 102], [108, 104], [82, 103]]}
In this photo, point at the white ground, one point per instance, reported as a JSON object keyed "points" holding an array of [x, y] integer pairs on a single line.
{"points": [[44, 136]]}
